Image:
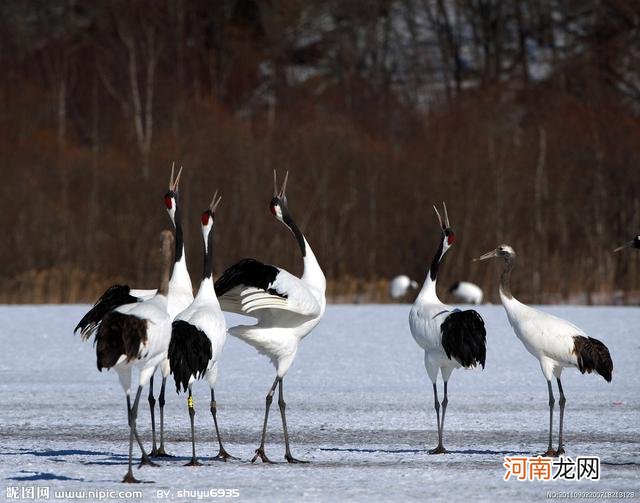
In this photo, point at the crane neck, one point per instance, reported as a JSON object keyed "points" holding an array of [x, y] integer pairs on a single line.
{"points": [[180, 281], [435, 263], [505, 278], [288, 221], [312, 273], [165, 269], [179, 245], [207, 292], [207, 269], [428, 292]]}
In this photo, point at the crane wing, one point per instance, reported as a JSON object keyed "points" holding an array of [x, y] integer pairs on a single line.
{"points": [[250, 287], [555, 335], [115, 296]]}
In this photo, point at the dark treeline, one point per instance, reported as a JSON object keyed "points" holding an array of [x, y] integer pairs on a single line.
{"points": [[524, 116]]}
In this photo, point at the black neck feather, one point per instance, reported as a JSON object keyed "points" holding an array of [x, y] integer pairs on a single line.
{"points": [[179, 238], [433, 271], [296, 232], [208, 257]]}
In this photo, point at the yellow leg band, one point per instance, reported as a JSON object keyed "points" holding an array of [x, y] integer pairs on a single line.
{"points": [[190, 402]]}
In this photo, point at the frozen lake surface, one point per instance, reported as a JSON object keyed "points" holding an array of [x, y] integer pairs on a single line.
{"points": [[359, 408]]}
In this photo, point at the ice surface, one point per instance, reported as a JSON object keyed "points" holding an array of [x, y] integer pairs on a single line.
{"points": [[359, 407]]}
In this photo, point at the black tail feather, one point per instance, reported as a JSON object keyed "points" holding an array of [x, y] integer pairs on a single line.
{"points": [[464, 338], [593, 355], [189, 353], [119, 334], [115, 296]]}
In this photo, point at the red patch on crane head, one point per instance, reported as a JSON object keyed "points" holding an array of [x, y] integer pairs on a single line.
{"points": [[205, 218], [275, 206], [168, 201], [451, 238]]}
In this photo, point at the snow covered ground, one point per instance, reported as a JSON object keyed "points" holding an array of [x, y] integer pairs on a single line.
{"points": [[359, 408]]}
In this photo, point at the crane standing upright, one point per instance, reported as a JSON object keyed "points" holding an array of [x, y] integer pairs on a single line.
{"points": [[451, 338], [198, 335], [555, 342], [287, 308]]}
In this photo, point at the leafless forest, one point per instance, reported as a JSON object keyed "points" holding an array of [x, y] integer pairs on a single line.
{"points": [[523, 115]]}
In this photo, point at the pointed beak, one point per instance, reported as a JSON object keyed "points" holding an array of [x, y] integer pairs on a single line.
{"points": [[486, 256], [173, 182], [282, 192], [439, 217], [215, 202], [626, 245]]}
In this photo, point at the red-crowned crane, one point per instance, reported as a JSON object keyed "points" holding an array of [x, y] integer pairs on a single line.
{"points": [[198, 336], [555, 342], [179, 297], [287, 309], [451, 338]]}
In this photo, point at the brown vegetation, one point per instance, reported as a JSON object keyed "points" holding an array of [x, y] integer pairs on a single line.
{"points": [[522, 116]]}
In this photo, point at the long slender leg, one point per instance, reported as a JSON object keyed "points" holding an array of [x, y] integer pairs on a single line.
{"points": [[283, 405], [436, 404], [124, 375], [445, 402], [145, 458], [192, 413], [134, 416], [129, 478], [562, 401], [152, 407], [550, 451], [161, 452], [260, 450], [223, 455]]}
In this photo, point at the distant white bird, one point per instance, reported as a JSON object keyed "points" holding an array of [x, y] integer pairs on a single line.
{"points": [[634, 243], [137, 337], [467, 292], [287, 308], [400, 285], [555, 342], [198, 336], [451, 338]]}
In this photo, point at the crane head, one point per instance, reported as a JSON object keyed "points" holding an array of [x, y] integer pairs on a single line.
{"points": [[278, 205], [448, 236], [634, 243], [503, 251], [171, 197], [208, 215]]}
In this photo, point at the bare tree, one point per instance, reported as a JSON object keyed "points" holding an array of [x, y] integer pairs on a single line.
{"points": [[142, 43]]}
